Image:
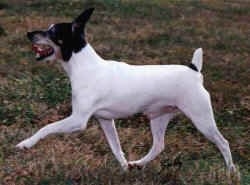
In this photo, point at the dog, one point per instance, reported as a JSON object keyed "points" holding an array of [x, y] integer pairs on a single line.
{"points": [[108, 90]]}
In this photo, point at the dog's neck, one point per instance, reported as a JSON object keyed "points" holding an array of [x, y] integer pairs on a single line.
{"points": [[82, 65], [82, 61]]}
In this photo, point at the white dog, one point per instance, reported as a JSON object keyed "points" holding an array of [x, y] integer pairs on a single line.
{"points": [[109, 90]]}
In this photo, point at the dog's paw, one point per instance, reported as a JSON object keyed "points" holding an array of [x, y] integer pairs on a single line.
{"points": [[24, 144], [134, 165], [125, 167], [232, 169]]}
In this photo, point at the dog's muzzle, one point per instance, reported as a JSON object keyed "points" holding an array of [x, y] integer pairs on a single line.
{"points": [[41, 50]]}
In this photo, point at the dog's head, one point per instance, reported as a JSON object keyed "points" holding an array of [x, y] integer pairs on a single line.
{"points": [[60, 40]]}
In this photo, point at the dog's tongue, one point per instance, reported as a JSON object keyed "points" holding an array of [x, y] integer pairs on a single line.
{"points": [[41, 50], [37, 49]]}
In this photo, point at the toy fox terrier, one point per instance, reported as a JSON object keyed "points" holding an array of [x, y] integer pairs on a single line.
{"points": [[109, 90]]}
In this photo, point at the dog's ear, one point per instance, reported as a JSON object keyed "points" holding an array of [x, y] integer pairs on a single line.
{"points": [[78, 36], [83, 18]]}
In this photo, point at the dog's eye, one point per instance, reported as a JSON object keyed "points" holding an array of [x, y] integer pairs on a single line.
{"points": [[51, 33]]}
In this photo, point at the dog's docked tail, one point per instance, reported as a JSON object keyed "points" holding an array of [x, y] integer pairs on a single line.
{"points": [[197, 60]]}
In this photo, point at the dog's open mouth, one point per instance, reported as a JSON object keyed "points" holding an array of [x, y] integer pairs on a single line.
{"points": [[42, 51]]}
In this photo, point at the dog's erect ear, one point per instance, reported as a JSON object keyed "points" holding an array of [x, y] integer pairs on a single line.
{"points": [[78, 40], [82, 19]]}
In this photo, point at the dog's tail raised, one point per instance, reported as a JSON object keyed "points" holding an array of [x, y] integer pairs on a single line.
{"points": [[197, 60]]}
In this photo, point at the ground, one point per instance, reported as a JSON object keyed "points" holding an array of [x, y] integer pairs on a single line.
{"points": [[33, 94]]}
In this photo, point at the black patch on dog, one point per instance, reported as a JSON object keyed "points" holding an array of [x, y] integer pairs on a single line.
{"points": [[192, 66], [70, 37], [61, 34]]}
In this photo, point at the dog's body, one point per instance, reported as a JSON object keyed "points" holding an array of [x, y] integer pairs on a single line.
{"points": [[109, 90], [116, 89]]}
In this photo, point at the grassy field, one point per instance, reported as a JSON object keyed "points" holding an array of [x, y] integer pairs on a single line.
{"points": [[34, 94]]}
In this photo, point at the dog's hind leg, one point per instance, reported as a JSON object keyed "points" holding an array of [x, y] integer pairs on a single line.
{"points": [[199, 109], [158, 127], [67, 125], [110, 132]]}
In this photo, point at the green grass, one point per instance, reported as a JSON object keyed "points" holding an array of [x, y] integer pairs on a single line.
{"points": [[34, 94]]}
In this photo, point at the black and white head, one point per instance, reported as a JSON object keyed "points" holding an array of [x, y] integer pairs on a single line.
{"points": [[60, 40]]}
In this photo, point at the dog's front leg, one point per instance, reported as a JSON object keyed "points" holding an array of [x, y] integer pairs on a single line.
{"points": [[67, 125], [110, 132]]}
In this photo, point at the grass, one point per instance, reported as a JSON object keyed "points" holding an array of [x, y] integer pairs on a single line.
{"points": [[138, 32]]}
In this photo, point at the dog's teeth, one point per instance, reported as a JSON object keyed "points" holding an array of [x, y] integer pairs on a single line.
{"points": [[37, 55]]}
